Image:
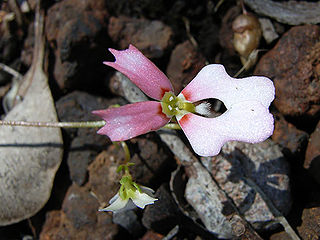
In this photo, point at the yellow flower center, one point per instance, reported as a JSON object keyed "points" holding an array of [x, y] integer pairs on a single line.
{"points": [[173, 106]]}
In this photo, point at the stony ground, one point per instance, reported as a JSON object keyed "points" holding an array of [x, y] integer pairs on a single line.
{"points": [[180, 37]]}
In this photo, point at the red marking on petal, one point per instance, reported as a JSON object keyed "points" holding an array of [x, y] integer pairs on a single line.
{"points": [[161, 113], [184, 119], [163, 91], [186, 94]]}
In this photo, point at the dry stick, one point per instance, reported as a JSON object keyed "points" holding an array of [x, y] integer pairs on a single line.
{"points": [[279, 217], [9, 98], [10, 70], [88, 124]]}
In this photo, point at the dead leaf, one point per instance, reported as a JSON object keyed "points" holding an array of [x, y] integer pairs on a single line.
{"points": [[29, 157]]}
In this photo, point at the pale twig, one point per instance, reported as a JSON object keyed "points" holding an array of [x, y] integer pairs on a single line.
{"points": [[88, 124], [10, 70], [278, 216], [10, 97]]}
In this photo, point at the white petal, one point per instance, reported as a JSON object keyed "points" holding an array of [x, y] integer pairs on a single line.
{"points": [[147, 190], [116, 205], [142, 199], [214, 82], [246, 121], [115, 197]]}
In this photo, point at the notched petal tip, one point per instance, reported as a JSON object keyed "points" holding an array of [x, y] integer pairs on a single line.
{"points": [[141, 71], [117, 205], [126, 122], [214, 82], [143, 199]]}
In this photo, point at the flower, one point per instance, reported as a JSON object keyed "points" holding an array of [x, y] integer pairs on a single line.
{"points": [[247, 100], [129, 196]]}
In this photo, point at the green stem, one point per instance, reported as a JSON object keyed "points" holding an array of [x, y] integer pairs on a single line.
{"points": [[174, 126], [88, 124], [126, 152]]}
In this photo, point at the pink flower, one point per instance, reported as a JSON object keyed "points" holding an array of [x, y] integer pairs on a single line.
{"points": [[246, 119]]}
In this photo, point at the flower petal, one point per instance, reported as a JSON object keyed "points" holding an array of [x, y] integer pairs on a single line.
{"points": [[143, 199], [247, 121], [131, 120], [147, 190], [117, 205], [214, 82], [141, 71]]}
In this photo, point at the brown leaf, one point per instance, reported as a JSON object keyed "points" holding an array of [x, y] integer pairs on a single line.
{"points": [[29, 157]]}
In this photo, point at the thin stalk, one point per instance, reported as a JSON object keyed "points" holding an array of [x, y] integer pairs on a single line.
{"points": [[126, 152], [278, 216], [88, 124], [174, 126]]}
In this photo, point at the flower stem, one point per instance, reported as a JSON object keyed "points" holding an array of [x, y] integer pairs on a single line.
{"points": [[126, 152], [88, 124], [174, 126]]}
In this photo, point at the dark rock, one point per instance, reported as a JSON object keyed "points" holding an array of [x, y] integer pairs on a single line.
{"points": [[120, 85], [292, 140], [293, 64], [80, 207], [83, 150], [152, 163], [312, 160], [79, 219], [150, 235], [10, 43], [185, 62], [152, 38], [103, 176], [85, 142], [310, 227], [129, 221], [75, 30], [163, 215], [226, 32], [242, 168], [280, 236]]}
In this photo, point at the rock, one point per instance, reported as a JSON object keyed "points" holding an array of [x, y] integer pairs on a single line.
{"points": [[152, 38], [243, 167], [185, 63], [129, 221], [292, 140], [150, 235], [294, 66], [120, 85], [164, 210], [310, 227], [152, 162], [78, 219], [75, 30], [82, 152], [280, 236], [85, 142], [312, 160], [226, 32], [103, 177], [11, 37]]}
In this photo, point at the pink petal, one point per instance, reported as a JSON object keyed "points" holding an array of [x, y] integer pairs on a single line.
{"points": [[141, 71], [247, 121], [214, 82], [131, 120]]}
